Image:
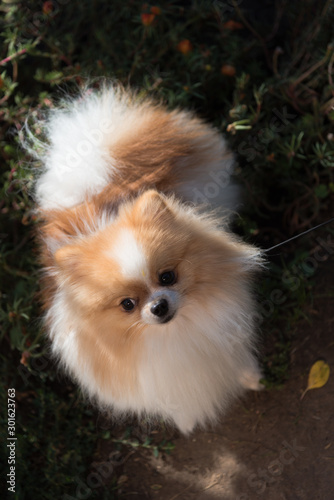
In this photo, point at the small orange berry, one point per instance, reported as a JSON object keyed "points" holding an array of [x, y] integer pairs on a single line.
{"points": [[185, 46], [147, 19], [25, 220], [47, 7], [24, 358], [156, 11], [228, 70], [233, 25], [271, 157]]}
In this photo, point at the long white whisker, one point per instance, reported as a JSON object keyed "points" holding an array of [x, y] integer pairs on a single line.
{"points": [[135, 330]]}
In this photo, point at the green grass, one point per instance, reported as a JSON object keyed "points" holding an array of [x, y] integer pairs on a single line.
{"points": [[263, 75]]}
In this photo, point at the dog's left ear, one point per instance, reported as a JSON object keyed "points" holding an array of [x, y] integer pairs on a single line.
{"points": [[67, 258]]}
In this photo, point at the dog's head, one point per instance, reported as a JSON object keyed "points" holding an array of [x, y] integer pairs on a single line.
{"points": [[150, 261]]}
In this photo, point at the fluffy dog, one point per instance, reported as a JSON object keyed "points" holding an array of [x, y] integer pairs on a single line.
{"points": [[148, 299]]}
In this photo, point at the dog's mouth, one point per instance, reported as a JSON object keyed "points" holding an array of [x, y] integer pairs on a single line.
{"points": [[154, 320], [167, 319]]}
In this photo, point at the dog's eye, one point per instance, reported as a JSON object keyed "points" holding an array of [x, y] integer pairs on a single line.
{"points": [[128, 304], [167, 278]]}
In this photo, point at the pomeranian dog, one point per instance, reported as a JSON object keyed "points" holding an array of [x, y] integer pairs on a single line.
{"points": [[148, 299]]}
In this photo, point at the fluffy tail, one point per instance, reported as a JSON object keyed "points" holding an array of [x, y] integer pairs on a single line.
{"points": [[114, 137]]}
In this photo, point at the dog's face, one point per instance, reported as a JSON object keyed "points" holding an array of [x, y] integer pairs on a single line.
{"points": [[146, 265], [132, 271]]}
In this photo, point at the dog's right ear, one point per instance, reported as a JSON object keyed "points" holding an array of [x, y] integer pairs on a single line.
{"points": [[150, 203]]}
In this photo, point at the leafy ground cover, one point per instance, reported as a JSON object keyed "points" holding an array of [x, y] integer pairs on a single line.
{"points": [[263, 75]]}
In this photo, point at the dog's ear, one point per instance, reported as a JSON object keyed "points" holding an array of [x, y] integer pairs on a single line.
{"points": [[67, 258], [72, 264], [57, 232], [150, 203], [150, 210]]}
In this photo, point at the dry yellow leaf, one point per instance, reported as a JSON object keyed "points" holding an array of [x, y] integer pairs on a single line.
{"points": [[318, 376]]}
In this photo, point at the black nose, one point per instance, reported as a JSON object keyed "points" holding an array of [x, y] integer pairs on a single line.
{"points": [[160, 308]]}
